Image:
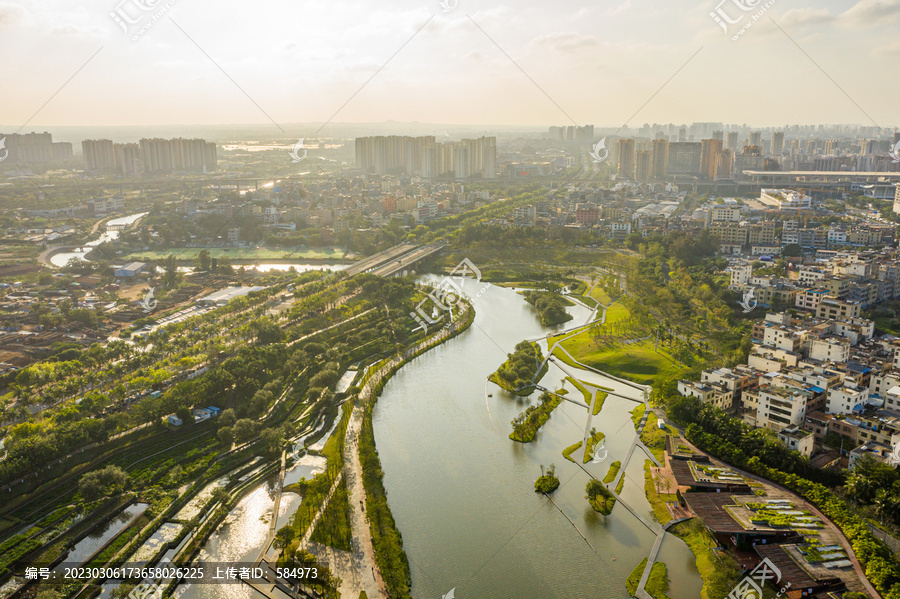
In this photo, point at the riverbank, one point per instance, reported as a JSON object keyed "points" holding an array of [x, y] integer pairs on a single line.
{"points": [[243, 255], [382, 538]]}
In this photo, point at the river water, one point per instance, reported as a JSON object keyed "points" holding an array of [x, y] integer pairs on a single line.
{"points": [[462, 492], [62, 258]]}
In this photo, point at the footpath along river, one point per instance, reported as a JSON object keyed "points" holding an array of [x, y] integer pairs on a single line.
{"points": [[462, 492]]}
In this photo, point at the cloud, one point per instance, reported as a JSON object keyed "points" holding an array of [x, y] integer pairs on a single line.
{"points": [[798, 17], [10, 13], [871, 12], [567, 41]]}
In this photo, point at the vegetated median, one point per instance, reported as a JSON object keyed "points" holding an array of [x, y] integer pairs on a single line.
{"points": [[527, 424], [519, 374]]}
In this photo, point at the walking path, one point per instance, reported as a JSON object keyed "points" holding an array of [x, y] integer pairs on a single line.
{"points": [[361, 535]]}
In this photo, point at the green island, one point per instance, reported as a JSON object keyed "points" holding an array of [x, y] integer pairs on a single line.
{"points": [[613, 472], [568, 451], [596, 437], [547, 482], [528, 423], [551, 306], [657, 582], [600, 498], [519, 373]]}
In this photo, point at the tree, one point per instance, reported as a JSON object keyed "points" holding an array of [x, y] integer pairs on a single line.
{"points": [[244, 430], [225, 436], [102, 483], [284, 536], [185, 415], [792, 249], [227, 418], [204, 260], [271, 442]]}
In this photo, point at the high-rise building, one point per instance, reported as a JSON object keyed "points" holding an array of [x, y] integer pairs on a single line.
{"points": [[423, 156], [173, 155], [659, 159], [724, 164], [150, 156], [777, 143], [719, 135], [684, 158], [732, 141], [709, 157], [626, 158], [756, 138], [26, 148], [642, 166], [99, 154]]}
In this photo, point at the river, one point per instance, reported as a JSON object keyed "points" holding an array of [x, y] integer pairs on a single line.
{"points": [[462, 492], [62, 258]]}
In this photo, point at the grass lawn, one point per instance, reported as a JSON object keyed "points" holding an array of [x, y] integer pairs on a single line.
{"points": [[638, 362], [593, 440], [634, 578], [241, 254], [637, 414], [657, 501], [584, 391], [613, 471], [709, 564], [568, 451], [658, 581], [601, 295], [655, 438], [616, 313]]}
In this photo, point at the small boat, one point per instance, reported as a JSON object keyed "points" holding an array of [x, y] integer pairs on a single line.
{"points": [[490, 395]]}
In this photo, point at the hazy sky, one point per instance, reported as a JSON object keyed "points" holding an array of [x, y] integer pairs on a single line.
{"points": [[301, 60]]}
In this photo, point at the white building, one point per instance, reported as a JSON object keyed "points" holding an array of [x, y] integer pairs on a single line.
{"points": [[842, 400], [830, 349], [798, 439]]}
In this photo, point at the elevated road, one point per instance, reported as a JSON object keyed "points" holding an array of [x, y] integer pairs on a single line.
{"points": [[380, 259], [405, 262]]}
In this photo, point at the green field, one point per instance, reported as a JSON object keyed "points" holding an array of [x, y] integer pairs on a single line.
{"points": [[600, 295], [617, 312], [241, 254], [638, 362]]}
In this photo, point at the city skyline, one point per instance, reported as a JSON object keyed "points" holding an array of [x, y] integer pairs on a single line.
{"points": [[526, 65]]}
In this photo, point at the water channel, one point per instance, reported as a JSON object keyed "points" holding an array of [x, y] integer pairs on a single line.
{"points": [[462, 492], [62, 258]]}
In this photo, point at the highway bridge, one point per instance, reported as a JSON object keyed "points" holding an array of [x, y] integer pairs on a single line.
{"points": [[396, 261]]}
